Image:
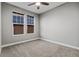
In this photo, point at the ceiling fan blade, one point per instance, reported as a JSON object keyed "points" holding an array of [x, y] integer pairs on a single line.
{"points": [[44, 3], [31, 4]]}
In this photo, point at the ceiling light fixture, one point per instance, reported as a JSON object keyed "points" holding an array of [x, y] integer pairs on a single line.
{"points": [[38, 4]]}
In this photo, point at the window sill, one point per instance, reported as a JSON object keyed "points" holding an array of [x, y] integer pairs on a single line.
{"points": [[18, 35]]}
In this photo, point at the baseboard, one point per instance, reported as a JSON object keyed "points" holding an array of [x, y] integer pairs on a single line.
{"points": [[70, 46], [6, 45]]}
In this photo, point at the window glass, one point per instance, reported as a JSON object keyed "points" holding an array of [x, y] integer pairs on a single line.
{"points": [[18, 19], [22, 19], [30, 20], [14, 19]]}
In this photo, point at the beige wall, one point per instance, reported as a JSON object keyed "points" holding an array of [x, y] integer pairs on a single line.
{"points": [[0, 26], [61, 24], [7, 29]]}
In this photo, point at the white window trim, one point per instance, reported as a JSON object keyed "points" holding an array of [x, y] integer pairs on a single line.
{"points": [[17, 23], [31, 24]]}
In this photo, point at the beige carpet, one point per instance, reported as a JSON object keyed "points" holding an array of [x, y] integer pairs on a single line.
{"points": [[39, 48]]}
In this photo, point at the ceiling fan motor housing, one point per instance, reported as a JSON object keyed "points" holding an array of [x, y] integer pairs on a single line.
{"points": [[38, 7]]}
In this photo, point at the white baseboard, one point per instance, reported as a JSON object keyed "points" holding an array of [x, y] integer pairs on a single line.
{"points": [[70, 46], [6, 45]]}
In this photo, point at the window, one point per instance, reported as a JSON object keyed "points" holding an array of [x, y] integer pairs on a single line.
{"points": [[18, 29], [30, 24], [18, 19], [18, 23]]}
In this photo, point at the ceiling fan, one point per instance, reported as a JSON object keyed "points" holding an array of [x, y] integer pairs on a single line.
{"points": [[38, 4]]}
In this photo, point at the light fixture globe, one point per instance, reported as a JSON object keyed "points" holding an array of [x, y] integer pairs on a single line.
{"points": [[38, 4]]}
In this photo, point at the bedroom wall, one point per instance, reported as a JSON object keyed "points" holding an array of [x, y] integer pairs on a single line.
{"points": [[7, 27], [61, 24], [0, 27]]}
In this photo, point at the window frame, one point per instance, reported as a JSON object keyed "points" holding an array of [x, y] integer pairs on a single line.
{"points": [[31, 24], [17, 23]]}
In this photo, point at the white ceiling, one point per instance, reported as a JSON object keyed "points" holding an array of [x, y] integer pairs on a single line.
{"points": [[33, 8]]}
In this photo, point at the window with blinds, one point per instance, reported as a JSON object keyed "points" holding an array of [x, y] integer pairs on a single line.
{"points": [[30, 24], [18, 23]]}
